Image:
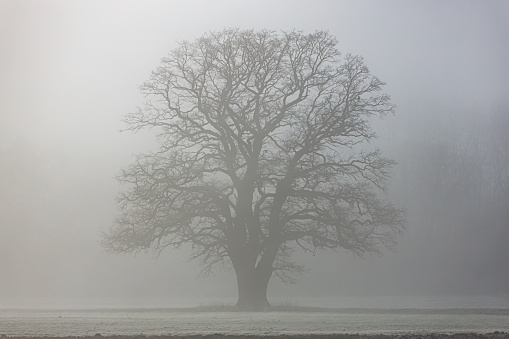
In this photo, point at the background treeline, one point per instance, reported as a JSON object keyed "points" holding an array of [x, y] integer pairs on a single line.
{"points": [[453, 177]]}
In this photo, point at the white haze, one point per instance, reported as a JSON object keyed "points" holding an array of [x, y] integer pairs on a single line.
{"points": [[69, 70]]}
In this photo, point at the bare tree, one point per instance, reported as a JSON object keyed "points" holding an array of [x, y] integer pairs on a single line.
{"points": [[260, 137]]}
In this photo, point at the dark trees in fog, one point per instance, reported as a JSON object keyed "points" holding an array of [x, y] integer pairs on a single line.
{"points": [[453, 174], [260, 154]]}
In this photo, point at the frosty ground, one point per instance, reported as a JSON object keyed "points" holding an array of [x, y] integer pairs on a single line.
{"points": [[494, 335]]}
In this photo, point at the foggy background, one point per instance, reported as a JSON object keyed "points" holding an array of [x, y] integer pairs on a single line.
{"points": [[69, 70]]}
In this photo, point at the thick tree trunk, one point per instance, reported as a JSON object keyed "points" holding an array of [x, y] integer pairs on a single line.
{"points": [[252, 286]]}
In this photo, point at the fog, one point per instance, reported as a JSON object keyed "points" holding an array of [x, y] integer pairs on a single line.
{"points": [[69, 71]]}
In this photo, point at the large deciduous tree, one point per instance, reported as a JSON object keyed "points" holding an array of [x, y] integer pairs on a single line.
{"points": [[261, 152]]}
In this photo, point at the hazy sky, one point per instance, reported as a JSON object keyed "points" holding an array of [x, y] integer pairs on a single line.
{"points": [[69, 70]]}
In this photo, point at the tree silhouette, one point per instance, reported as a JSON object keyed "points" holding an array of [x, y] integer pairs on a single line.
{"points": [[260, 154]]}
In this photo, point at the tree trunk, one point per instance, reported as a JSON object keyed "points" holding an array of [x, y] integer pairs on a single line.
{"points": [[252, 285]]}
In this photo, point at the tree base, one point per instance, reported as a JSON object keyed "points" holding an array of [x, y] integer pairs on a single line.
{"points": [[260, 305]]}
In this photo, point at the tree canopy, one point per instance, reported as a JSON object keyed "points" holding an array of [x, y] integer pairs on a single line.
{"points": [[262, 151]]}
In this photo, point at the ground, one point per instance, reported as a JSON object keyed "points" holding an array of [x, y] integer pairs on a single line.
{"points": [[494, 335]]}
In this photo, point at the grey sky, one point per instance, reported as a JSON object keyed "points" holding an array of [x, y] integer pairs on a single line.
{"points": [[69, 70]]}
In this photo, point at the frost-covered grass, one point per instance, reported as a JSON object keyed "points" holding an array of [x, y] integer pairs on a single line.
{"points": [[220, 319]]}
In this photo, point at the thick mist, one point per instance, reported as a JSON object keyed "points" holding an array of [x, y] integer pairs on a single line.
{"points": [[69, 71]]}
